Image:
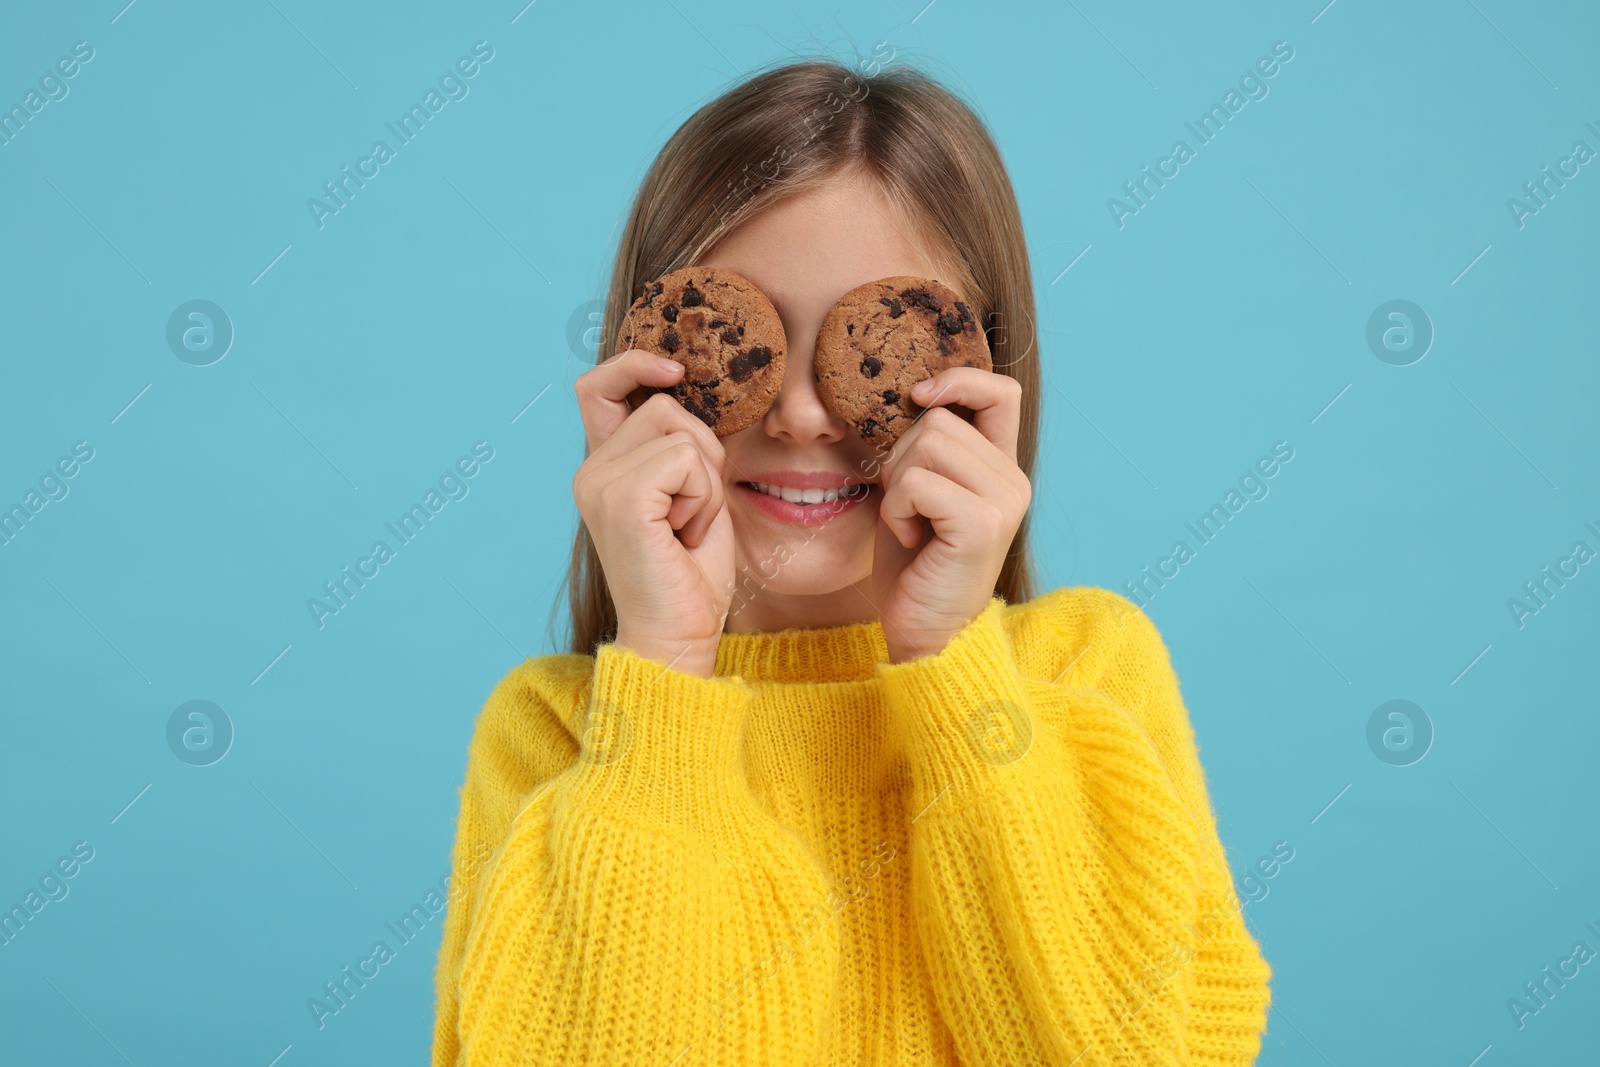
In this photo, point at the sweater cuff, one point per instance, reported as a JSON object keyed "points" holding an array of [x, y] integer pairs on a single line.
{"points": [[966, 725], [660, 746]]}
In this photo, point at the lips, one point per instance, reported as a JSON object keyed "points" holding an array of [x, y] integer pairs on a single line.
{"points": [[807, 496], [798, 479], [797, 511]]}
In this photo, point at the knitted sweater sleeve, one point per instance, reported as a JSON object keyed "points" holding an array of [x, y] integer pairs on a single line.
{"points": [[641, 904], [1072, 897]]}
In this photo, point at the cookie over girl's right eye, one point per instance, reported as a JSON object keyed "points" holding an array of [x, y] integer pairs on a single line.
{"points": [[884, 337], [724, 331]]}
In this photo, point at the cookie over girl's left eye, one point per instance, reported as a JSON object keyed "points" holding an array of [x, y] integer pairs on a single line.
{"points": [[884, 337]]}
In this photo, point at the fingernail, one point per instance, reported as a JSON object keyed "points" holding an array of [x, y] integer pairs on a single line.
{"points": [[668, 364], [922, 387]]}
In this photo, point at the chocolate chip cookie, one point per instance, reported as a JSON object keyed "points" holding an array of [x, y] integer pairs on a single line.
{"points": [[882, 338], [724, 331]]}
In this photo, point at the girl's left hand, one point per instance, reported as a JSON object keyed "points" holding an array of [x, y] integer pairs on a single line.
{"points": [[959, 482]]}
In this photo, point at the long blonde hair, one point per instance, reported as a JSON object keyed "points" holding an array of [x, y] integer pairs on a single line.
{"points": [[792, 128]]}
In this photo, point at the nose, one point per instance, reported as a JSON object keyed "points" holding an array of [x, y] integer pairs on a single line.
{"points": [[798, 414]]}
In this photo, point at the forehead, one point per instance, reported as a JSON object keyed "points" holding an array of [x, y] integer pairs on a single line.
{"points": [[809, 249]]}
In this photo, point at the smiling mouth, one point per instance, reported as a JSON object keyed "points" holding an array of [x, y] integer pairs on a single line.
{"points": [[811, 497]]}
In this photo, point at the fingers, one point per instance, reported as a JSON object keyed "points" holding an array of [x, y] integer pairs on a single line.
{"points": [[658, 450], [943, 441], [615, 429], [994, 399], [603, 390], [677, 470], [698, 498], [966, 464], [960, 517]]}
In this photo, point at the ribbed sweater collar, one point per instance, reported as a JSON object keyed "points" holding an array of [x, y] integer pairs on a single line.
{"points": [[824, 654]]}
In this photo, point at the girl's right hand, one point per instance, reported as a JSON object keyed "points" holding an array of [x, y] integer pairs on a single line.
{"points": [[652, 497]]}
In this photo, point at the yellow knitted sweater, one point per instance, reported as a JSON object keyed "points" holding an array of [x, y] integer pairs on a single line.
{"points": [[1002, 853]]}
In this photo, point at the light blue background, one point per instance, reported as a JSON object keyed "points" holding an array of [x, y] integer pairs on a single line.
{"points": [[1227, 315]]}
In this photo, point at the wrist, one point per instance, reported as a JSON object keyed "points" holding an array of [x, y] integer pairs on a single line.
{"points": [[688, 657], [906, 653]]}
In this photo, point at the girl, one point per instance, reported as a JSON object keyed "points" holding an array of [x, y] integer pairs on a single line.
{"points": [[824, 783]]}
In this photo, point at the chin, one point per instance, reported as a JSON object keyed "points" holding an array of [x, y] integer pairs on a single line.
{"points": [[800, 567]]}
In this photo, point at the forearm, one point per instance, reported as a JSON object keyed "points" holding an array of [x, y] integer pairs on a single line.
{"points": [[620, 918], [1058, 869]]}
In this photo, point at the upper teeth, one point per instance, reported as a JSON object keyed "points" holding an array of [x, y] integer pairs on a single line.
{"points": [[804, 496]]}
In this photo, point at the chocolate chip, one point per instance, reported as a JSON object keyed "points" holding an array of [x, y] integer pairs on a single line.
{"points": [[670, 312], [944, 346], [670, 340], [740, 367], [716, 324], [704, 414], [966, 315], [891, 397], [894, 306], [850, 328], [921, 298], [692, 297], [950, 323], [741, 331], [651, 291], [871, 366], [870, 428], [730, 336]]}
